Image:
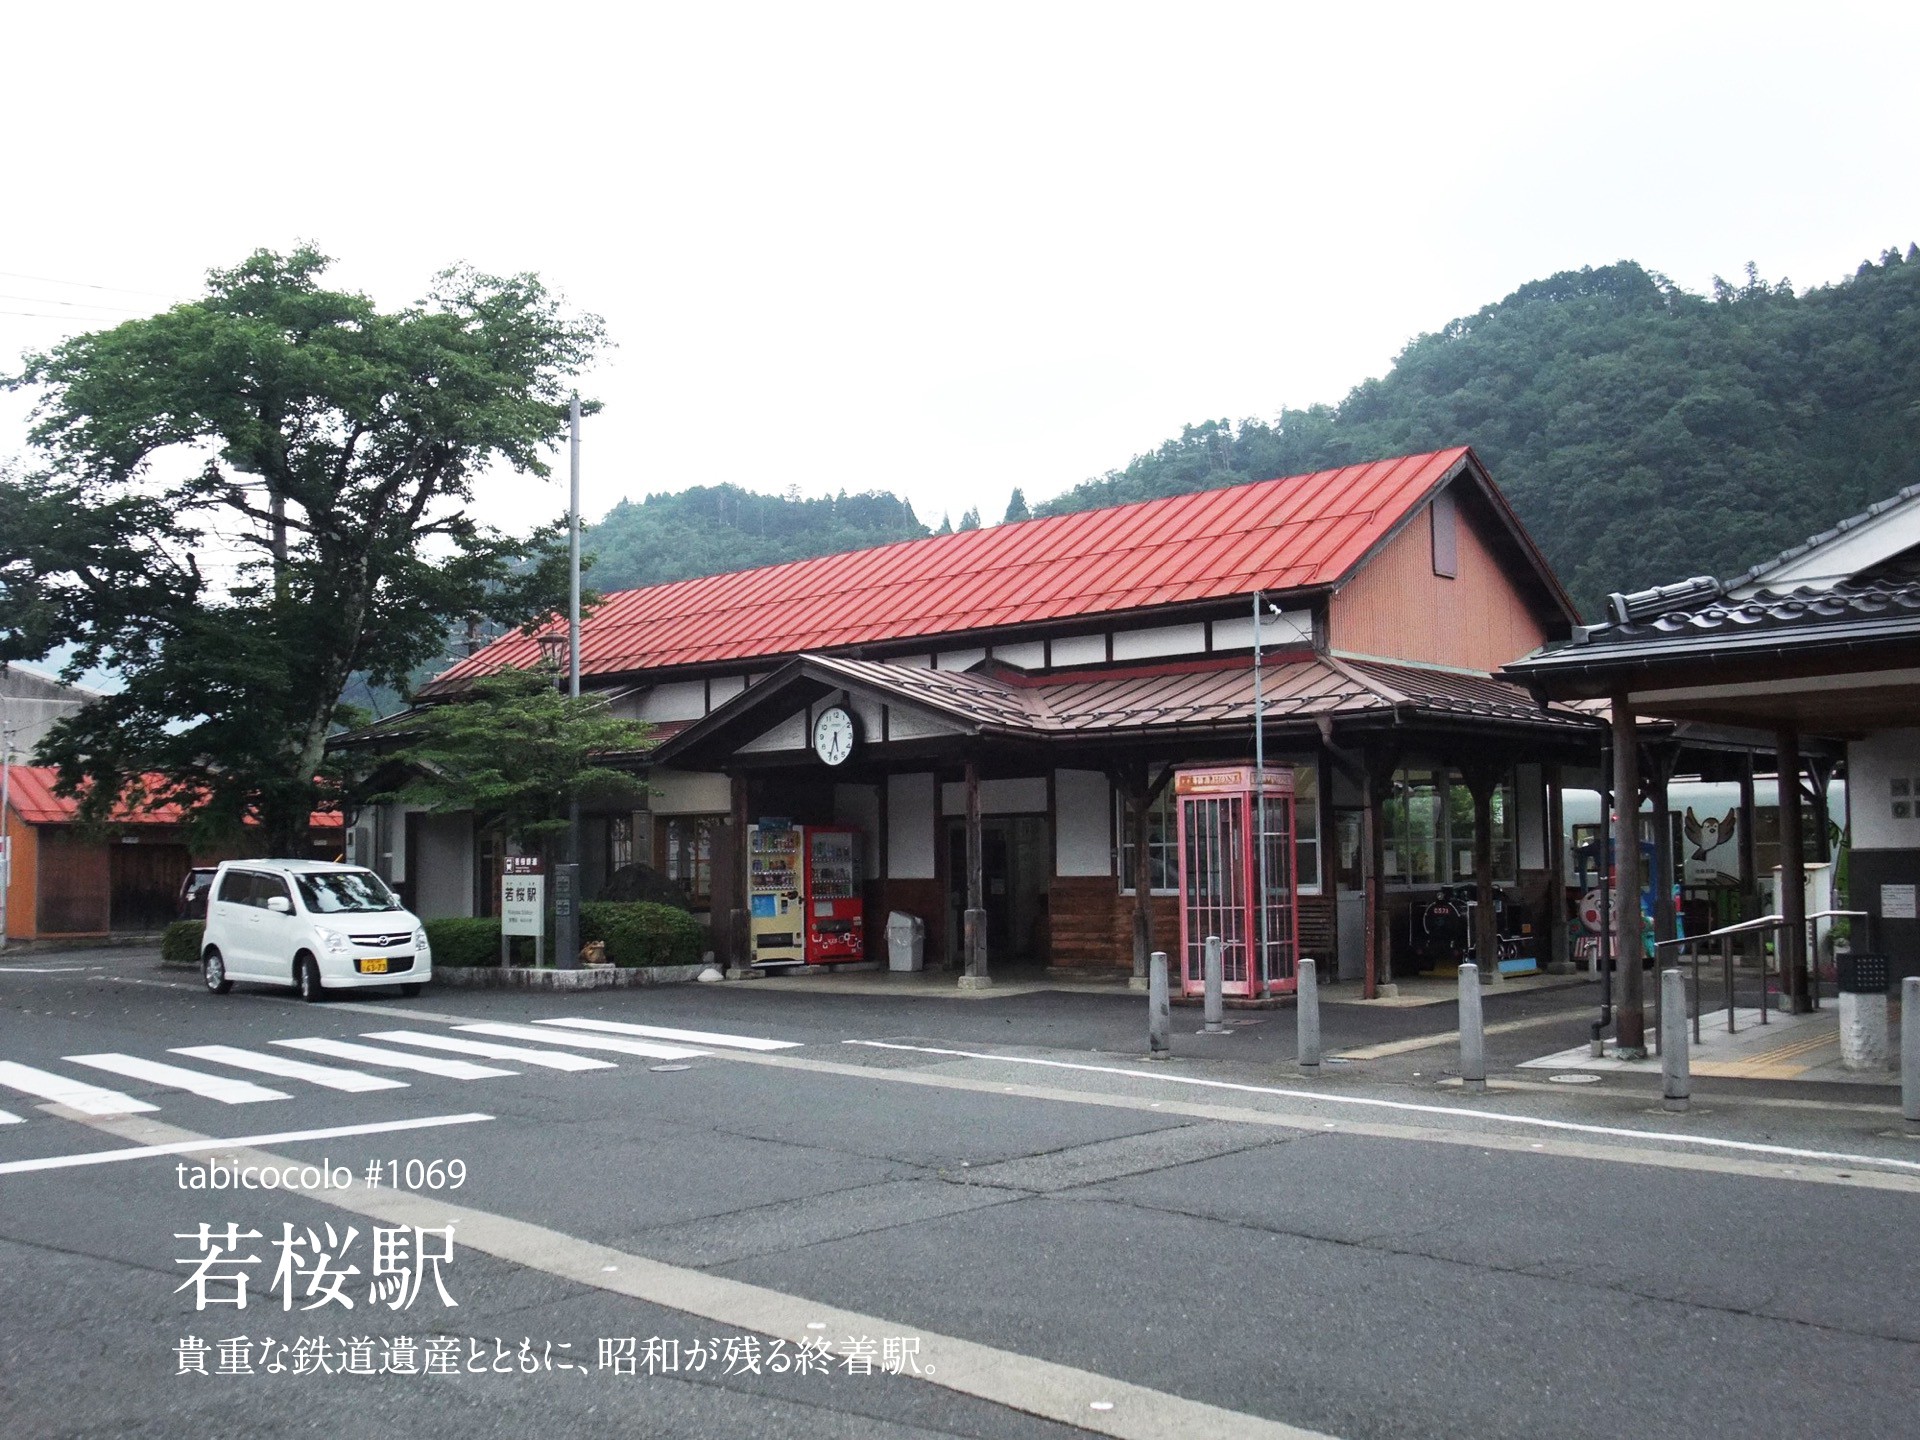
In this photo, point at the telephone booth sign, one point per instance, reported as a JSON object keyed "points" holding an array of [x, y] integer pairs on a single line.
{"points": [[1220, 811]]}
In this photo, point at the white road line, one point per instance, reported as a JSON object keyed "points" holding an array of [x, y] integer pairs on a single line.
{"points": [[75, 1094], [7, 1117], [187, 1147], [651, 1049], [46, 969], [661, 1032], [552, 1059], [396, 1059], [357, 1082], [176, 1077], [1752, 1147]]}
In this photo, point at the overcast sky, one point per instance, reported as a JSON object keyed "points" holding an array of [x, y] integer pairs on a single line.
{"points": [[945, 250]]}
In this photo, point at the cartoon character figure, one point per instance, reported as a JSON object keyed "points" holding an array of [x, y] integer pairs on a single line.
{"points": [[1709, 834]]}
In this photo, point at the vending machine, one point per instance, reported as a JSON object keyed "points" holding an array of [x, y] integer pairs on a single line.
{"points": [[836, 926], [775, 910]]}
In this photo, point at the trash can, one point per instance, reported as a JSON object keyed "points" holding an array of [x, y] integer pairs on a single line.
{"points": [[906, 941]]}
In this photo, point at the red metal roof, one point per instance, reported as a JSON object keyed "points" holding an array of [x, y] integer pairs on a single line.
{"points": [[33, 799], [1293, 533]]}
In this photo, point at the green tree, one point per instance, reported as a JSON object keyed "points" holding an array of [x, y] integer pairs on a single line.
{"points": [[970, 520], [243, 501], [1016, 507], [517, 753]]}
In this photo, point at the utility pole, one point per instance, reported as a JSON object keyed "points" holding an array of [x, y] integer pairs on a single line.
{"points": [[6, 834], [1260, 790], [566, 880]]}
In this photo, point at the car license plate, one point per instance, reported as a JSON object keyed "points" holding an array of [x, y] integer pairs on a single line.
{"points": [[373, 967]]}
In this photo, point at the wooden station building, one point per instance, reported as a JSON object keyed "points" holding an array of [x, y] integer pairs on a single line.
{"points": [[1012, 701]]}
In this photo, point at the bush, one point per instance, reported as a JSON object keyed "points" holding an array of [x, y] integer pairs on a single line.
{"points": [[463, 941], [180, 943], [639, 933]]}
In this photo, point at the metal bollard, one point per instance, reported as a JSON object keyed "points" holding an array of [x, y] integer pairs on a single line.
{"points": [[1473, 1038], [1910, 1053], [1159, 1010], [1676, 1066], [1216, 972], [1307, 1019]]}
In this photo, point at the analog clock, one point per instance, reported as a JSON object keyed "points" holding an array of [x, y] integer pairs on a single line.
{"points": [[833, 735]]}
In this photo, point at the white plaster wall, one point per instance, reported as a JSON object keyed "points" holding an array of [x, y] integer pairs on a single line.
{"points": [[1082, 801], [1023, 796], [1161, 640], [905, 724], [1289, 628], [959, 659], [684, 700], [1079, 650], [724, 687], [1873, 767], [859, 806], [868, 713], [1030, 656], [689, 792], [910, 823], [789, 734]]}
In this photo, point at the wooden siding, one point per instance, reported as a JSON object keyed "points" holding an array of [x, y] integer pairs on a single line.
{"points": [[1093, 926], [75, 886], [1398, 609]]}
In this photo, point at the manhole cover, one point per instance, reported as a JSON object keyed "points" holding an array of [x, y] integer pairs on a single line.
{"points": [[1574, 1079]]}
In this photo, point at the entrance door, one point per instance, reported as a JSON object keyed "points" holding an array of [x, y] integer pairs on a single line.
{"points": [[1016, 864], [1350, 896]]}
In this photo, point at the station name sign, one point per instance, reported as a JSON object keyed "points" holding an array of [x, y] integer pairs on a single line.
{"points": [[1232, 780]]}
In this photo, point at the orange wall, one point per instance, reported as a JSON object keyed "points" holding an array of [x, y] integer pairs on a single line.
{"points": [[22, 908], [1397, 608]]}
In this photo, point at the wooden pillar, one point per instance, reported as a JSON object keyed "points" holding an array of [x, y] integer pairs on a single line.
{"points": [[1378, 782], [1631, 1025], [1558, 958], [1792, 946], [974, 926], [738, 941], [1141, 798], [1743, 838]]}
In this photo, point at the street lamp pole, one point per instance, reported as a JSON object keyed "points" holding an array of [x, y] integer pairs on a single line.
{"points": [[1260, 786], [566, 880], [6, 834]]}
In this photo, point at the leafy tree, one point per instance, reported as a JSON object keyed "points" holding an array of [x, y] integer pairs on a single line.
{"points": [[241, 502], [946, 526], [970, 520], [1016, 507], [517, 754]]}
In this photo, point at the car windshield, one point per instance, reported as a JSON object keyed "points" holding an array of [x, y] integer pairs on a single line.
{"points": [[345, 892]]}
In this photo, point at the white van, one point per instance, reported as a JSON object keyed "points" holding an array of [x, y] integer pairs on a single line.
{"points": [[311, 925]]}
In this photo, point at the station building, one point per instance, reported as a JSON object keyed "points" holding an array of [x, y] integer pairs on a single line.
{"points": [[998, 714]]}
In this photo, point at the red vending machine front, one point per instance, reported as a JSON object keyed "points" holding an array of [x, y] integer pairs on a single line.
{"points": [[836, 927]]}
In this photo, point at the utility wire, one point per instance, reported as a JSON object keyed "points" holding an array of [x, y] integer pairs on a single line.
{"points": [[70, 304], [87, 285]]}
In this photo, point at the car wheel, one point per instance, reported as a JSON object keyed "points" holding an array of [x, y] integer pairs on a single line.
{"points": [[411, 991], [306, 977], [214, 970]]}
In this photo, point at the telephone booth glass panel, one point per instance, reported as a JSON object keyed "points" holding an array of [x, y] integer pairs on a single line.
{"points": [[1220, 881]]}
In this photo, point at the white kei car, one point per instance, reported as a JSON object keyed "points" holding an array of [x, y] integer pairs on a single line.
{"points": [[312, 925]]}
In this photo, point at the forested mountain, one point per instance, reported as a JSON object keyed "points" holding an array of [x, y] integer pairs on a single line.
{"points": [[712, 528], [1643, 433]]}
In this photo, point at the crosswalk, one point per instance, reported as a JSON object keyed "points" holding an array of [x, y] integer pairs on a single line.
{"points": [[477, 1050]]}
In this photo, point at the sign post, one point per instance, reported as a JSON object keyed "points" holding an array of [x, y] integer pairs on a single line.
{"points": [[523, 905]]}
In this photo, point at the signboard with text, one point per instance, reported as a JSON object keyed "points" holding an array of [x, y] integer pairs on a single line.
{"points": [[523, 895]]}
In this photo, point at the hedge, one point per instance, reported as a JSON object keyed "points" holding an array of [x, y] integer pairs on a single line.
{"points": [[180, 942], [464, 941], [639, 933]]}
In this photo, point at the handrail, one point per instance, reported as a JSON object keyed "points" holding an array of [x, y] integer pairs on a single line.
{"points": [[1830, 914], [1763, 923]]}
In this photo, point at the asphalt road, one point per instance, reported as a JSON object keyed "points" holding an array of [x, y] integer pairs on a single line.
{"points": [[999, 1191]]}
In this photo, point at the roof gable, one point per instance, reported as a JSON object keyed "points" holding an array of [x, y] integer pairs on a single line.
{"points": [[1300, 532]]}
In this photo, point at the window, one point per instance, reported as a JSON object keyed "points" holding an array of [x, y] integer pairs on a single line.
{"points": [[1162, 842], [346, 892], [1446, 535], [619, 842], [1428, 824], [1163, 838], [686, 853]]}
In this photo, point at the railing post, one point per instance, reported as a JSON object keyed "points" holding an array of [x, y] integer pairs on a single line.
{"points": [[1473, 1040], [1307, 1019], [1676, 1071], [1910, 1053], [1159, 1009], [1215, 977]]}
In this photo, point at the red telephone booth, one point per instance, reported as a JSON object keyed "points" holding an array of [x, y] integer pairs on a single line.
{"points": [[1220, 811]]}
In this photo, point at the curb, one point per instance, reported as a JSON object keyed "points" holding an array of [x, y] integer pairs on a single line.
{"points": [[596, 977]]}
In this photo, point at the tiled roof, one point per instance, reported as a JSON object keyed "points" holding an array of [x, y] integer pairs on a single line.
{"points": [[34, 800], [1815, 542], [1295, 533]]}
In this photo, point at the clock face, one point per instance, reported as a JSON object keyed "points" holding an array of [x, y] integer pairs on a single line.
{"points": [[833, 735]]}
